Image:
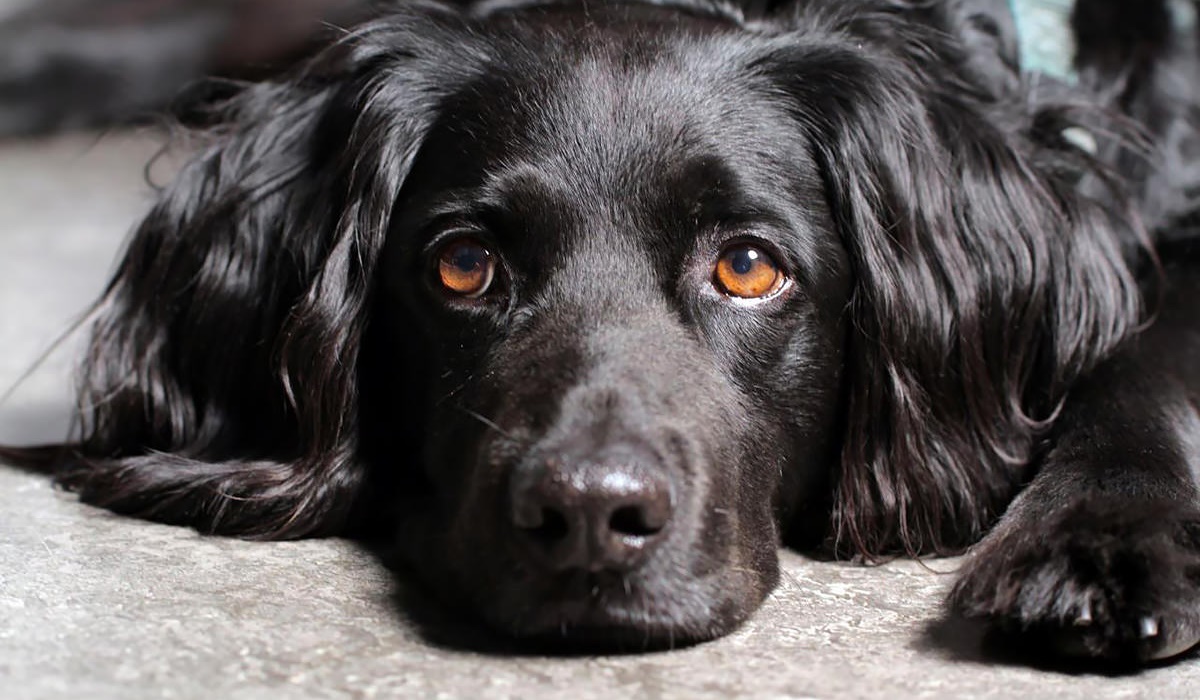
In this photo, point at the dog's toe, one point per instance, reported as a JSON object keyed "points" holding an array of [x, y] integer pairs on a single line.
{"points": [[1163, 640], [1151, 640]]}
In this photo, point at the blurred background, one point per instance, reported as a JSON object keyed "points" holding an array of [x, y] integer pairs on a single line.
{"points": [[73, 63]]}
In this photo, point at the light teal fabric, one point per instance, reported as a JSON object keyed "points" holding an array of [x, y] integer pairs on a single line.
{"points": [[1044, 31], [1047, 44]]}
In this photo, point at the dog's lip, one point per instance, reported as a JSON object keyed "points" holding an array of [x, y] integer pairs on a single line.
{"points": [[602, 623], [583, 585], [602, 611], [580, 596]]}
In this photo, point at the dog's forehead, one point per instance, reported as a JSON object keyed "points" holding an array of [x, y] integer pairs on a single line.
{"points": [[615, 126], [611, 111]]}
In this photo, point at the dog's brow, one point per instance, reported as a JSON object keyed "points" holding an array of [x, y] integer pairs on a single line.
{"points": [[456, 203], [454, 209]]}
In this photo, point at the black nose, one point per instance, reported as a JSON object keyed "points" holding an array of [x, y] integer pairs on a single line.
{"points": [[604, 515]]}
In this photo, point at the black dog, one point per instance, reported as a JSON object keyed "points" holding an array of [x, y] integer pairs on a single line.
{"points": [[593, 305]]}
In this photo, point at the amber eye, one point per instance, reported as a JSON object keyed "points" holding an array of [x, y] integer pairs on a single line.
{"points": [[466, 268], [747, 272]]}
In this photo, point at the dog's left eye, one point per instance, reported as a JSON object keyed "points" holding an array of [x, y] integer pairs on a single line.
{"points": [[746, 271], [466, 268]]}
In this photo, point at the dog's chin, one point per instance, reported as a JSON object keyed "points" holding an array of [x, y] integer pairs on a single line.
{"points": [[581, 612]]}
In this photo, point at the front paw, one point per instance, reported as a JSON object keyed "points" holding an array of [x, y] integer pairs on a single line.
{"points": [[1115, 580]]}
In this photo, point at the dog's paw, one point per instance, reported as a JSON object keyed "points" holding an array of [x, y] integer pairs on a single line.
{"points": [[1116, 581]]}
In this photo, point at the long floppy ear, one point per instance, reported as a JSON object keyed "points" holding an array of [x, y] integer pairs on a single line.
{"points": [[984, 282], [220, 387]]}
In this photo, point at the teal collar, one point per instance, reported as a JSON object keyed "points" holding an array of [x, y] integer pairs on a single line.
{"points": [[1047, 42]]}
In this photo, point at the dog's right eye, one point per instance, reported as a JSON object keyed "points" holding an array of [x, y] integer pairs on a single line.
{"points": [[466, 268], [745, 271]]}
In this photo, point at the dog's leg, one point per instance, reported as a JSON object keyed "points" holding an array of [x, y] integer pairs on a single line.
{"points": [[1100, 555]]}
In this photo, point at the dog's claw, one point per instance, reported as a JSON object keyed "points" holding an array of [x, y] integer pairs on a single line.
{"points": [[1080, 138], [1084, 618], [1166, 641]]}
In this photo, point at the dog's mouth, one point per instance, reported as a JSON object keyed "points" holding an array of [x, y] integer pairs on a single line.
{"points": [[607, 611]]}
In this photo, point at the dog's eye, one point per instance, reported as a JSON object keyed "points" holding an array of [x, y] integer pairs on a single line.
{"points": [[466, 268], [748, 272]]}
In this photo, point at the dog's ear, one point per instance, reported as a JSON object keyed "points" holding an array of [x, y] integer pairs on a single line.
{"points": [[984, 282], [220, 386]]}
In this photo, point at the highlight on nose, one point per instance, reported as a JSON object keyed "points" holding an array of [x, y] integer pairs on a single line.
{"points": [[606, 515]]}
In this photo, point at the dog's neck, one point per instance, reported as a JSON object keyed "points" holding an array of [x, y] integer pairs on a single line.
{"points": [[1047, 40]]}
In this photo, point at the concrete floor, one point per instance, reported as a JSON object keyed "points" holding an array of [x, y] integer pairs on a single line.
{"points": [[97, 606]]}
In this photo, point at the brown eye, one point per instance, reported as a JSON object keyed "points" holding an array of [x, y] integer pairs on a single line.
{"points": [[466, 268], [747, 272]]}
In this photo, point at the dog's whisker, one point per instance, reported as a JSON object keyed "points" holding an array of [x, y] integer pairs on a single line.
{"points": [[455, 391], [488, 422]]}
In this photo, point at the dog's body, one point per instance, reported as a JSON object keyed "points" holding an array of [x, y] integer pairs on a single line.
{"points": [[593, 305]]}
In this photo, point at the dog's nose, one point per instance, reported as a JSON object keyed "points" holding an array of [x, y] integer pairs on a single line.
{"points": [[598, 516]]}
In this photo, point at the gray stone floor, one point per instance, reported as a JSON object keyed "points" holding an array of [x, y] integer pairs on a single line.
{"points": [[96, 606]]}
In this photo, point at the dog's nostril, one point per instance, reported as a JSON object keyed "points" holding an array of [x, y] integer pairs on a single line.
{"points": [[551, 528], [601, 512], [631, 520]]}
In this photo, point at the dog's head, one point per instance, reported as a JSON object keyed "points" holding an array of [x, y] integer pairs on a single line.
{"points": [[594, 307], [611, 305]]}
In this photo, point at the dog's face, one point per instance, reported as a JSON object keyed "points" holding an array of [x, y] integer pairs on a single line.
{"points": [[614, 293], [592, 304]]}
